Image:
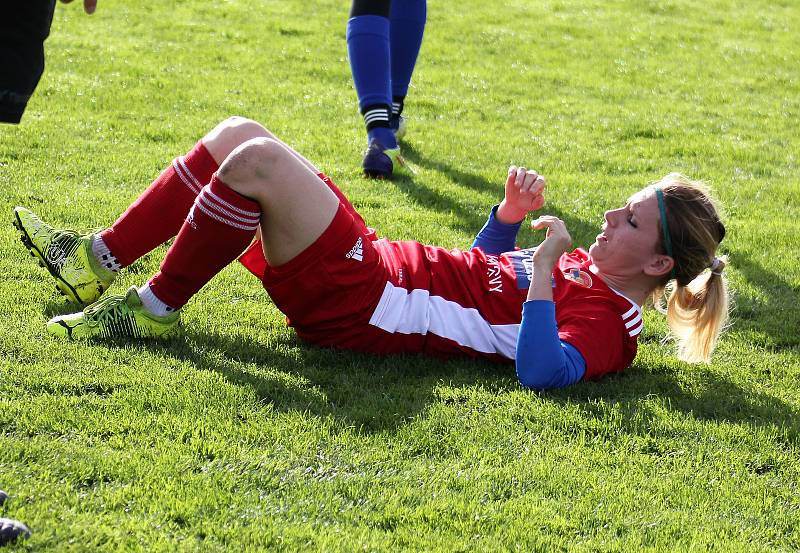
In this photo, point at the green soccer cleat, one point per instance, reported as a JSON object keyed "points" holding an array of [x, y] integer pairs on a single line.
{"points": [[67, 255], [115, 317]]}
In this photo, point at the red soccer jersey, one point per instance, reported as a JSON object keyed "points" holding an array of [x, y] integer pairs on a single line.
{"points": [[600, 322], [472, 301]]}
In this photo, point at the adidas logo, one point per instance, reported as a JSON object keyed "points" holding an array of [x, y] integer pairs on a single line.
{"points": [[190, 219], [357, 251]]}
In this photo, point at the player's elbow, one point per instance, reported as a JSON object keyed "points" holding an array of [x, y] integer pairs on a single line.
{"points": [[537, 376]]}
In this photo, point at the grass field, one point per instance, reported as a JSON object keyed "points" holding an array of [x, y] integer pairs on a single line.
{"points": [[237, 437]]}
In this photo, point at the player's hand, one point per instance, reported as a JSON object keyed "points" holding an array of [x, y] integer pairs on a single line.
{"points": [[524, 193], [89, 6], [556, 241]]}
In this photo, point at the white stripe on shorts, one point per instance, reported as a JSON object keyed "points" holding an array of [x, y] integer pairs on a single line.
{"points": [[418, 312]]}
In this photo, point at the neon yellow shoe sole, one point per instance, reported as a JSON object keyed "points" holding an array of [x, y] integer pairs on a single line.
{"points": [[115, 317]]}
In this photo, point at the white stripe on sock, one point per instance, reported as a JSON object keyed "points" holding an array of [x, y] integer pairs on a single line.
{"points": [[189, 182], [220, 201], [222, 220], [376, 115], [206, 201], [182, 161]]}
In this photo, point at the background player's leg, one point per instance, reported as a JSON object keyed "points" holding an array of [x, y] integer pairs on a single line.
{"points": [[24, 27], [369, 54], [407, 25]]}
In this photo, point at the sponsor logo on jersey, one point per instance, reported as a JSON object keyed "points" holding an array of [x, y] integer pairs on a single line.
{"points": [[493, 274], [578, 277], [356, 252], [522, 261]]}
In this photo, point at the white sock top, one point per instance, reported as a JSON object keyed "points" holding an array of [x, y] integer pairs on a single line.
{"points": [[151, 302], [103, 255]]}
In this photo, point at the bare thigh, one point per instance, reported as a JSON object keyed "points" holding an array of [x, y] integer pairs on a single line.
{"points": [[234, 131], [296, 205]]}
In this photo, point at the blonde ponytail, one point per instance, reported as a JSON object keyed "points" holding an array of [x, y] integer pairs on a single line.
{"points": [[698, 300], [697, 314]]}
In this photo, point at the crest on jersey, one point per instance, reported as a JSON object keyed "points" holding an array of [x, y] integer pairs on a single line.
{"points": [[579, 277]]}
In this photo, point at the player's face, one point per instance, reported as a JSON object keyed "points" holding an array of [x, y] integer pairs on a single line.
{"points": [[631, 236]]}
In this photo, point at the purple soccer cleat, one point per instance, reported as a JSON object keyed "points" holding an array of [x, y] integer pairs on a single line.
{"points": [[382, 163]]}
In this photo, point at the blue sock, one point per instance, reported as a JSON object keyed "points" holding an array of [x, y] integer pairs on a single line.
{"points": [[368, 49], [384, 135], [407, 20]]}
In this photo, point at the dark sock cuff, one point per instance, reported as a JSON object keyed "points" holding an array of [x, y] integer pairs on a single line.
{"points": [[377, 115], [371, 7], [397, 104]]}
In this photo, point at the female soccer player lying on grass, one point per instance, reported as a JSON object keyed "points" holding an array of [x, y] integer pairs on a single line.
{"points": [[342, 287]]}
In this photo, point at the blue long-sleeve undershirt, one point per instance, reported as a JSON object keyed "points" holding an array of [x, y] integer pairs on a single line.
{"points": [[496, 237], [543, 360]]}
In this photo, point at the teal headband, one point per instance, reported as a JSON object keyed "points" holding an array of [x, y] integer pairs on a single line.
{"points": [[665, 228]]}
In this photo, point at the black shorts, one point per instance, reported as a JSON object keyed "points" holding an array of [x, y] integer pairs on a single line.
{"points": [[24, 26]]}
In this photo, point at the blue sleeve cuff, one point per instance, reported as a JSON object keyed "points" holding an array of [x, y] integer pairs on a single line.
{"points": [[496, 237], [543, 360]]}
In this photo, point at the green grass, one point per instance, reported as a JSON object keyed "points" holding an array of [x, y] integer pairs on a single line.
{"points": [[237, 437]]}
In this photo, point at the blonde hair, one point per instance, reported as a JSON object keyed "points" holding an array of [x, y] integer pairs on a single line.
{"points": [[697, 299]]}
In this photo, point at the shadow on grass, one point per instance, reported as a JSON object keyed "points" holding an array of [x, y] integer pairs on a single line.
{"points": [[471, 222], [383, 393], [367, 392], [706, 396], [778, 314]]}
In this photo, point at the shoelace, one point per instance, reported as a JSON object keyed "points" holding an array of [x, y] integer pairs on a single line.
{"points": [[43, 231], [107, 309]]}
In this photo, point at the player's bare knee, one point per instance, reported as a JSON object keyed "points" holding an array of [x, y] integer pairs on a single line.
{"points": [[261, 153], [249, 166], [231, 133]]}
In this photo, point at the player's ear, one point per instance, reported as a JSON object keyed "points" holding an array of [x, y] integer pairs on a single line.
{"points": [[659, 265]]}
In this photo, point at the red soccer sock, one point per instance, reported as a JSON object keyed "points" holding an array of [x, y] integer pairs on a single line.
{"points": [[219, 227], [157, 215]]}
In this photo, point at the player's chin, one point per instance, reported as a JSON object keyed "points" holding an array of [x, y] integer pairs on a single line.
{"points": [[595, 250]]}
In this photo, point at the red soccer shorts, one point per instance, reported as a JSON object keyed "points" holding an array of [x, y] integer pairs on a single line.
{"points": [[330, 290]]}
